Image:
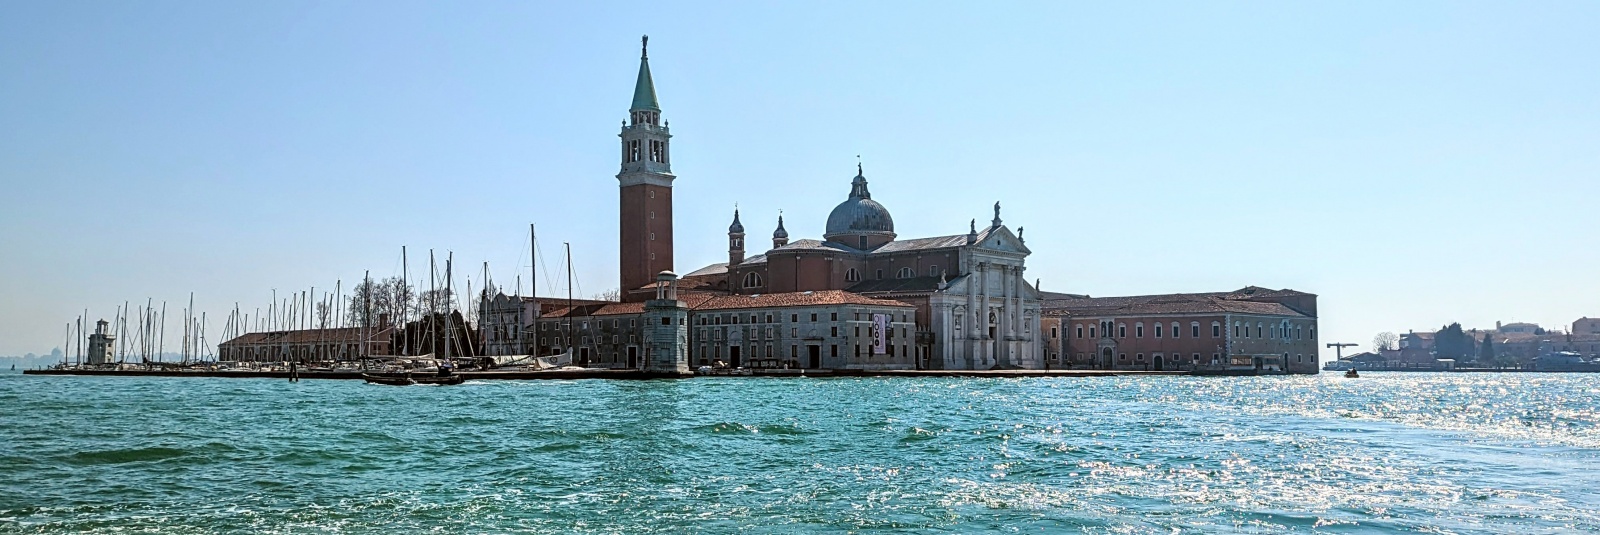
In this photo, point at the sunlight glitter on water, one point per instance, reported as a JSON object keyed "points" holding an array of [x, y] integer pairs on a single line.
{"points": [[1460, 453]]}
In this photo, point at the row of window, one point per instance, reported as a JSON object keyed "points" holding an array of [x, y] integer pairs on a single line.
{"points": [[766, 351], [1216, 358], [1284, 331], [851, 275], [1138, 330], [794, 332]]}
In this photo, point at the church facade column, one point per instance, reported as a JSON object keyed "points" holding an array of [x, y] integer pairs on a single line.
{"points": [[982, 313]]}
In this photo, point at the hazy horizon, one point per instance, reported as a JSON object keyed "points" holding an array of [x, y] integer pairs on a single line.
{"points": [[1413, 164]]}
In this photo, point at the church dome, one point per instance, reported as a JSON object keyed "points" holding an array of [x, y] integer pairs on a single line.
{"points": [[859, 215]]}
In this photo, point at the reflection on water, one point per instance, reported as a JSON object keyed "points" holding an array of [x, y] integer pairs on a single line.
{"points": [[1400, 452]]}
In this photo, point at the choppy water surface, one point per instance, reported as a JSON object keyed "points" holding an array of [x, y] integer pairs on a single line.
{"points": [[1432, 453]]}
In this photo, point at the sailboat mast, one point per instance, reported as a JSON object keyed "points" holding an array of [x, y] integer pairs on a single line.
{"points": [[163, 341], [433, 302], [405, 289], [533, 261], [570, 298], [449, 317], [366, 313]]}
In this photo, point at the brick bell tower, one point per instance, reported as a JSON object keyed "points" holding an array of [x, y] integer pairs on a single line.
{"points": [[646, 180]]}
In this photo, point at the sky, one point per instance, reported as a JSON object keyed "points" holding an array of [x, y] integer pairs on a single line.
{"points": [[1412, 163]]}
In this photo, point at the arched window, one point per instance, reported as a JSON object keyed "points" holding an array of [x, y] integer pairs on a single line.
{"points": [[905, 273], [752, 280], [851, 275]]}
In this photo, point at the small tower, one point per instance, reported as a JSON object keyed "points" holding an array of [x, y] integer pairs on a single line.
{"points": [[780, 237], [101, 344], [735, 241], [666, 330]]}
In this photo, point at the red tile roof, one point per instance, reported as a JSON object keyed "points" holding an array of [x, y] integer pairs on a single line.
{"points": [[1208, 303], [347, 334], [794, 299]]}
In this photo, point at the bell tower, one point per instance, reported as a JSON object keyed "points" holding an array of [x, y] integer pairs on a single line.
{"points": [[646, 182]]}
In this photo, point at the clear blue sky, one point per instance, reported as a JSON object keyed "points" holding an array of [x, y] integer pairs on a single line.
{"points": [[1413, 163]]}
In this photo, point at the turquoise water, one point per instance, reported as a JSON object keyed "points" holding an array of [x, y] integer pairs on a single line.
{"points": [[1396, 452]]}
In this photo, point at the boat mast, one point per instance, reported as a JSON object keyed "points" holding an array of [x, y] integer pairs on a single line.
{"points": [[433, 302], [405, 288], [570, 349], [163, 340], [449, 320], [366, 314]]}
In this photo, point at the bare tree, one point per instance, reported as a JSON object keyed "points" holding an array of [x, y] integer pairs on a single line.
{"points": [[390, 296], [613, 294], [1385, 341], [437, 301]]}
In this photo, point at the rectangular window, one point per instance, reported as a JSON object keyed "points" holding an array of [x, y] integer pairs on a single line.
{"points": [[1122, 331], [813, 316], [835, 332], [833, 316], [794, 317], [1216, 330], [1158, 330], [1080, 331], [1138, 330], [794, 332], [1091, 331]]}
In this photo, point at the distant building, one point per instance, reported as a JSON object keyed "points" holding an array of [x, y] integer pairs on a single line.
{"points": [[1586, 326], [102, 344], [506, 322], [1416, 340], [827, 329], [310, 345], [1251, 327], [1517, 328]]}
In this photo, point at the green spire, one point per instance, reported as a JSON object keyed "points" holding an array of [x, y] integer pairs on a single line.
{"points": [[644, 90]]}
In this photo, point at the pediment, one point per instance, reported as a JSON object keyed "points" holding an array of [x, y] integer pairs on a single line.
{"points": [[1002, 240]]}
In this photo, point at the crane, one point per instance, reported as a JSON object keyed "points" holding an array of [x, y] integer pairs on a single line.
{"points": [[1338, 349]]}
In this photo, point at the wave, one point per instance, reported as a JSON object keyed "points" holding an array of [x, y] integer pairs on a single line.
{"points": [[120, 456]]}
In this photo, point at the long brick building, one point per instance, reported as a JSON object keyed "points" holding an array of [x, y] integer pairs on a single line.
{"points": [[1251, 328]]}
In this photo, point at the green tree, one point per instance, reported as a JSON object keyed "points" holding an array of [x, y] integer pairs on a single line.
{"points": [[1452, 343], [1486, 356]]}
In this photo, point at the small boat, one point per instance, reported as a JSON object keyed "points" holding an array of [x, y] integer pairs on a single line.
{"points": [[1351, 373], [409, 379], [391, 380]]}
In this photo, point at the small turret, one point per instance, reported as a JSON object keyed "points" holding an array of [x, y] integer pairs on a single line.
{"points": [[780, 237], [735, 241]]}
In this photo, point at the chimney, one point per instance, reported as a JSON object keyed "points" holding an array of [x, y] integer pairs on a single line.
{"points": [[383, 321]]}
